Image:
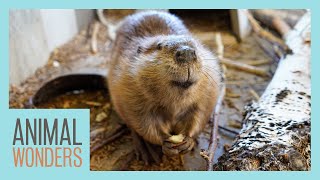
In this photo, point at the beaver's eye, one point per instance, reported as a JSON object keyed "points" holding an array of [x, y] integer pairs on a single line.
{"points": [[159, 46]]}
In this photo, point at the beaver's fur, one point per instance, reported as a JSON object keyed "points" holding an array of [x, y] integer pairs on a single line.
{"points": [[149, 88]]}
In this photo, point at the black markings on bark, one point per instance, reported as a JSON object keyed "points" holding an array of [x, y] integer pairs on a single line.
{"points": [[282, 95]]}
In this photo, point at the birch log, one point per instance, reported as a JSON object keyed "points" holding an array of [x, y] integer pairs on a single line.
{"points": [[276, 130]]}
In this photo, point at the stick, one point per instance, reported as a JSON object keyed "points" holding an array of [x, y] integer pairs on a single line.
{"points": [[234, 82], [94, 44], [111, 27], [254, 94], [101, 17], [244, 67], [209, 154], [214, 130], [258, 62], [266, 34], [220, 49], [233, 95], [272, 20], [268, 48], [263, 15], [228, 130], [220, 46], [97, 131], [119, 132], [279, 25]]}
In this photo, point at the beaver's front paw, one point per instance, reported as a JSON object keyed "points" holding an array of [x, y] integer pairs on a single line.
{"points": [[174, 148]]}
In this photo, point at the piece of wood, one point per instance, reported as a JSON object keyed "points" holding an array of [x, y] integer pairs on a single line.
{"points": [[220, 46], [280, 26], [228, 130], [244, 67], [111, 26], [291, 17], [214, 130], [269, 48], [254, 94], [220, 50], [240, 24], [273, 21], [276, 129], [258, 62], [266, 34], [94, 43], [214, 119]]}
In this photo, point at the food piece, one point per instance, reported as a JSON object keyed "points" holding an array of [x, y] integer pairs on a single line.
{"points": [[101, 116], [176, 138]]}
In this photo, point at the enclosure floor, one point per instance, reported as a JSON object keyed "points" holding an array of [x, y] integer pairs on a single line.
{"points": [[75, 56]]}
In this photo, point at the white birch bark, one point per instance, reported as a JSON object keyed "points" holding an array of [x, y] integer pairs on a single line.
{"points": [[276, 130]]}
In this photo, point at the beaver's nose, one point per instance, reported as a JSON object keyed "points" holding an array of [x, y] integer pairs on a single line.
{"points": [[185, 54]]}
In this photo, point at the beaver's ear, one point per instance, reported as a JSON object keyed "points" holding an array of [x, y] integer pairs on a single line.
{"points": [[139, 49]]}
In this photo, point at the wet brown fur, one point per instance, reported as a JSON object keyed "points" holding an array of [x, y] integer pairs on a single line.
{"points": [[141, 72]]}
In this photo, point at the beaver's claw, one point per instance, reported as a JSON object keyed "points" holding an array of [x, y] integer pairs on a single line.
{"points": [[171, 149], [145, 151]]}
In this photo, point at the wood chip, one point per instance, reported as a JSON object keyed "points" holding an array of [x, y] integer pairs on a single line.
{"points": [[230, 94], [226, 147], [101, 116], [93, 103], [233, 95], [97, 131]]}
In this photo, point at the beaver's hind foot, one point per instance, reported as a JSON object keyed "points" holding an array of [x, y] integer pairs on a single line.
{"points": [[145, 151]]}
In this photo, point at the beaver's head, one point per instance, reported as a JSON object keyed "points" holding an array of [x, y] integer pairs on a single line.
{"points": [[170, 61]]}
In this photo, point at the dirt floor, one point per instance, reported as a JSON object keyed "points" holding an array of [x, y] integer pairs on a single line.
{"points": [[76, 57]]}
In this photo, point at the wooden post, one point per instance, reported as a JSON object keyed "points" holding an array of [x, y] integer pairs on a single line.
{"points": [[240, 24]]}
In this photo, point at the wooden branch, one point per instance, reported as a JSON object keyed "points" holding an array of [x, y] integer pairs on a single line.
{"points": [[209, 154], [269, 48], [101, 17], [266, 34], [94, 43], [214, 130], [220, 46], [263, 15], [220, 50], [258, 62], [273, 21], [228, 130], [254, 94], [276, 130], [244, 67], [111, 27], [280, 26]]}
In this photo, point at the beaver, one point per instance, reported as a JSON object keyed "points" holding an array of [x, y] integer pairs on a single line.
{"points": [[162, 81]]}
